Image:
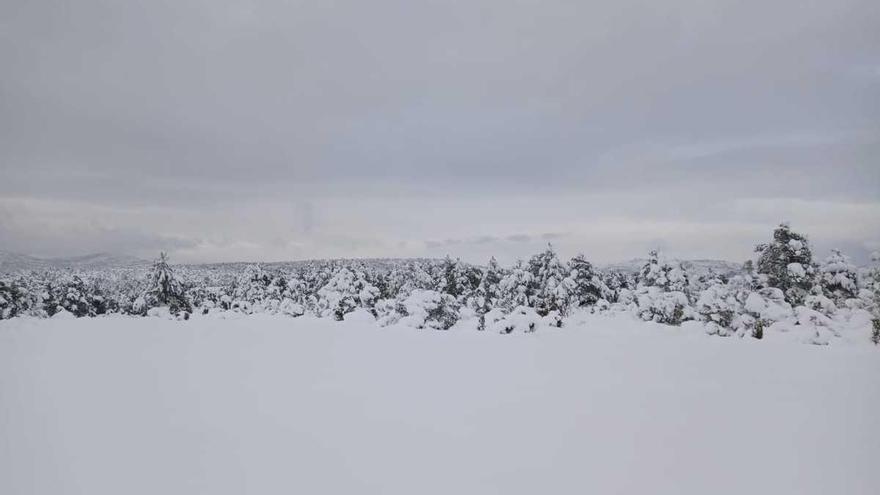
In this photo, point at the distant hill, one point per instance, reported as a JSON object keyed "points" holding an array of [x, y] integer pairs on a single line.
{"points": [[15, 262]]}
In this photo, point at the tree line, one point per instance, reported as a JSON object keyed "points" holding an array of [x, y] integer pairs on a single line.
{"points": [[783, 285]]}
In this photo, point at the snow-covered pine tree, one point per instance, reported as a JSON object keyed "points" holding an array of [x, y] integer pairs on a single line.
{"points": [[787, 264], [13, 298], [415, 275], [346, 291], [872, 293], [616, 282], [164, 290], [72, 296], [257, 290], [588, 285], [717, 306], [516, 287], [551, 284], [658, 272], [428, 309], [457, 279], [487, 293], [839, 278], [660, 293], [293, 297]]}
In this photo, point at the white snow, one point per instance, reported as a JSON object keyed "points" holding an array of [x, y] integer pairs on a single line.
{"points": [[796, 270], [264, 405]]}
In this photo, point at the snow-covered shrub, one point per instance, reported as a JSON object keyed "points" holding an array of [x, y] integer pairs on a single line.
{"points": [[491, 319], [516, 287], [762, 309], [818, 301], [13, 299], [457, 279], [429, 309], [616, 282], [839, 278], [251, 285], [389, 311], [289, 307], [787, 264], [658, 272], [670, 308], [816, 327], [522, 319], [344, 292], [660, 295], [717, 306], [72, 295]]}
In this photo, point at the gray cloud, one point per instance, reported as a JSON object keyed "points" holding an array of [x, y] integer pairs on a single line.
{"points": [[286, 129]]}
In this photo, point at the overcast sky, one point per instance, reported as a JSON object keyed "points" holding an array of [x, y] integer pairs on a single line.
{"points": [[271, 130]]}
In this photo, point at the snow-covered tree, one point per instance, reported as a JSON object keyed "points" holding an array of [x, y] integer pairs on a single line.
{"points": [[717, 306], [457, 279], [617, 282], [516, 287], [429, 309], [658, 272], [588, 285], [344, 292], [838, 278], [251, 288], [660, 294], [487, 293], [871, 293], [13, 299], [762, 308], [163, 290], [552, 286], [787, 264], [415, 275], [73, 297]]}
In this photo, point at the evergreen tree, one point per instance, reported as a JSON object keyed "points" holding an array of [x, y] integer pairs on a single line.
{"points": [[787, 264], [164, 290], [457, 279], [660, 294], [873, 293], [516, 287], [346, 291], [616, 282], [13, 299], [428, 309], [487, 293], [718, 306], [72, 296], [551, 286], [838, 277], [588, 285], [657, 272], [252, 285]]}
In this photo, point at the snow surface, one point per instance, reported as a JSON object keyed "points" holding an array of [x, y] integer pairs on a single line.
{"points": [[263, 404]]}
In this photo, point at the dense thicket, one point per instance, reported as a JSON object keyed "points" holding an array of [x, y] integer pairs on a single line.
{"points": [[783, 285]]}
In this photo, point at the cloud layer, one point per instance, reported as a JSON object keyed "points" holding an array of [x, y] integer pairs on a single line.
{"points": [[276, 130]]}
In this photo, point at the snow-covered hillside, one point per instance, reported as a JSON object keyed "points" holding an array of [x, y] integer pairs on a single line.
{"points": [[263, 404], [11, 263]]}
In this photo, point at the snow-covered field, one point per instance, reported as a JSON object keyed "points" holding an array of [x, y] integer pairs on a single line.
{"points": [[260, 404]]}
